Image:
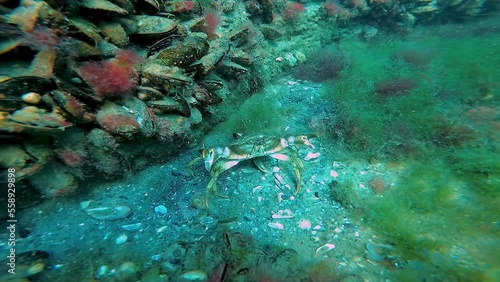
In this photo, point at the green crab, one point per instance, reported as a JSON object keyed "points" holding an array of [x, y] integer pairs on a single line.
{"points": [[219, 159]]}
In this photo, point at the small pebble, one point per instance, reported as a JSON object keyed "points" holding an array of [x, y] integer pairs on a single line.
{"points": [[161, 209], [31, 98], [101, 271], [121, 239], [156, 257], [127, 271], [161, 229]]}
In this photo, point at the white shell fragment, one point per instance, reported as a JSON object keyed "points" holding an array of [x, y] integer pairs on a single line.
{"points": [[275, 225], [193, 275], [161, 229], [131, 227], [121, 239], [109, 213], [312, 156], [286, 213], [321, 251], [256, 189], [85, 204]]}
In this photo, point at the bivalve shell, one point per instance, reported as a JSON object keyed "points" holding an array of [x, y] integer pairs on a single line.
{"points": [[131, 227], [151, 25], [103, 5], [321, 251], [109, 213], [193, 275], [117, 119]]}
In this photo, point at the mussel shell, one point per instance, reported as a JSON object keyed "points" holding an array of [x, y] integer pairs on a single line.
{"points": [[86, 28], [163, 75], [102, 6], [33, 120], [17, 86], [239, 37], [72, 106], [218, 49], [167, 105], [162, 43], [177, 104], [230, 70], [151, 25], [182, 53], [85, 94], [7, 45], [211, 84], [9, 29]]}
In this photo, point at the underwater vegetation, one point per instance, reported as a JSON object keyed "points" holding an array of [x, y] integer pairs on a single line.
{"points": [[430, 108]]}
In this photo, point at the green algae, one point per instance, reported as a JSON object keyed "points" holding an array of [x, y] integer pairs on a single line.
{"points": [[258, 114], [442, 213]]}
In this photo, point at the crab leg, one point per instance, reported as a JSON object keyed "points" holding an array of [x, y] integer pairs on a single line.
{"points": [[297, 165], [217, 169]]}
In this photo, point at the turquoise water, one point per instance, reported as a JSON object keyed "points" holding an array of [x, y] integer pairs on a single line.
{"points": [[250, 140]]}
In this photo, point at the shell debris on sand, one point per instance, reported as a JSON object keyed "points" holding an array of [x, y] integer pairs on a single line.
{"points": [[321, 251], [193, 275], [276, 225], [121, 239], [109, 213], [286, 213]]}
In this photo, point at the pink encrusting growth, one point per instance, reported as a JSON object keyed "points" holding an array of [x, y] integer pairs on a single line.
{"points": [[334, 9], [41, 37], [293, 11], [70, 157], [183, 6], [212, 21], [112, 78]]}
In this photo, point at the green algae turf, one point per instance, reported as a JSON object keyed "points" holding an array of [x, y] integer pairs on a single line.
{"points": [[442, 214]]}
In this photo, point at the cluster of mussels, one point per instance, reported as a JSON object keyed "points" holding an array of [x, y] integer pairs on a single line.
{"points": [[70, 115]]}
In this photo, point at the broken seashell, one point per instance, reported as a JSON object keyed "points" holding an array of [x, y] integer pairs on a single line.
{"points": [[256, 189], [85, 204], [121, 239], [286, 213], [193, 275], [275, 225], [131, 227], [321, 251], [109, 213], [312, 156], [161, 229]]}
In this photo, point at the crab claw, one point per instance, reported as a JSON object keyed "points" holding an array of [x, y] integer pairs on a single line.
{"points": [[304, 140]]}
